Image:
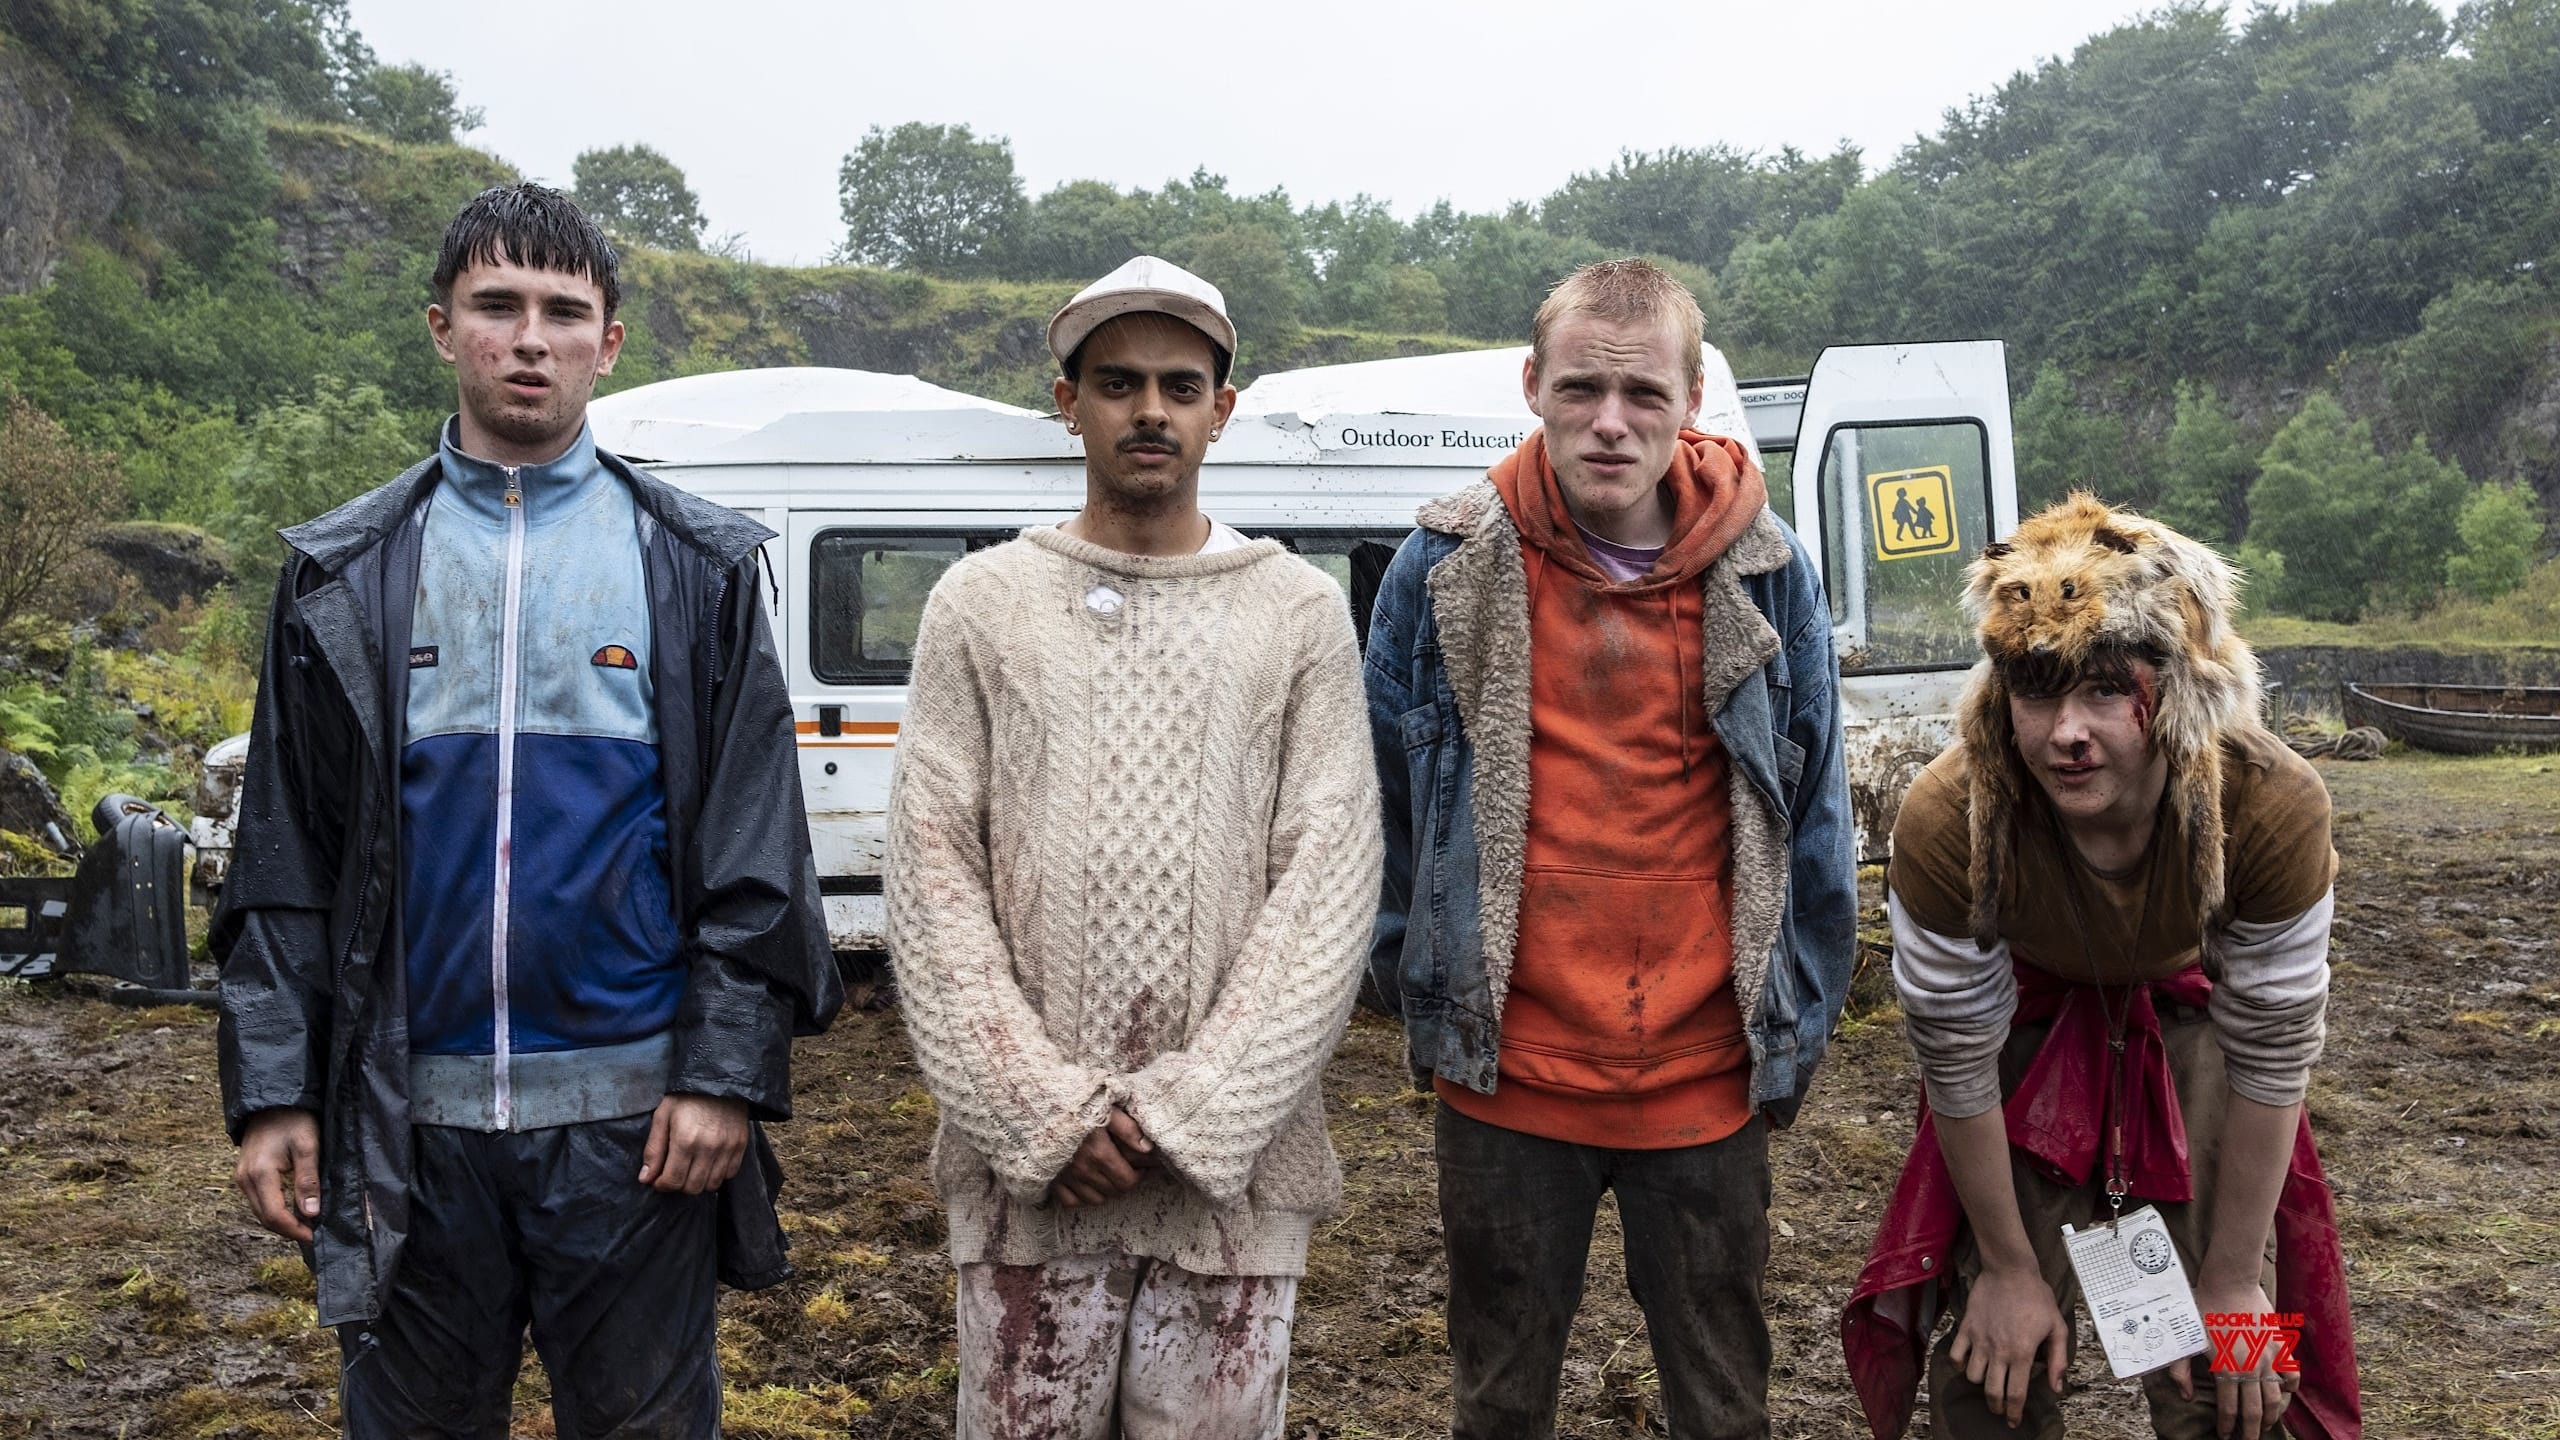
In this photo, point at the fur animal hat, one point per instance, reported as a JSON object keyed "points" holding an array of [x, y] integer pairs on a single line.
{"points": [[2083, 581]]}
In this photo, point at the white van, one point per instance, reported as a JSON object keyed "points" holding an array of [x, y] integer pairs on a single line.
{"points": [[875, 484]]}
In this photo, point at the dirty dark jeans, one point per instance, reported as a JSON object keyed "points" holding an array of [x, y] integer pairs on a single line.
{"points": [[1516, 1212], [546, 1228]]}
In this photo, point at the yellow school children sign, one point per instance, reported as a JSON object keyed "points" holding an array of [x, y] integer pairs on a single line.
{"points": [[1912, 512]]}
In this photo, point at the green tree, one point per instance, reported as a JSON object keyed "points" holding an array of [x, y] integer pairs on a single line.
{"points": [[639, 196], [152, 61], [2501, 530], [2065, 444], [2318, 502], [2307, 62], [1403, 299], [2475, 345], [1773, 298], [411, 104], [1082, 230], [1258, 275], [53, 497], [2207, 468], [2514, 74], [1354, 247], [1688, 204], [305, 458], [2355, 527], [2422, 498], [1498, 269], [924, 197]]}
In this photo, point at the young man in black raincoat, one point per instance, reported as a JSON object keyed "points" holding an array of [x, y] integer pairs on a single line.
{"points": [[521, 917]]}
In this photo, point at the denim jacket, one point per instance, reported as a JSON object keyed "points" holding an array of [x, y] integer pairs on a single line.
{"points": [[1448, 681]]}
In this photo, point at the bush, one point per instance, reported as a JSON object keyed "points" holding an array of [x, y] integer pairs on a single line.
{"points": [[2474, 346], [2207, 468], [53, 497], [304, 459], [2500, 531], [2065, 444], [83, 737], [2355, 527]]}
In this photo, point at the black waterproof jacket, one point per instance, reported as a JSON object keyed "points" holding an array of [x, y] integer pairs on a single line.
{"points": [[314, 1010]]}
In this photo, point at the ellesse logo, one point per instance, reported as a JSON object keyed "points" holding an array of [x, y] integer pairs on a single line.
{"points": [[617, 657]]}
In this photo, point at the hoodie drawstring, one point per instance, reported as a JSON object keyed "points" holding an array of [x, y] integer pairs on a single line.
{"points": [[1679, 671]]}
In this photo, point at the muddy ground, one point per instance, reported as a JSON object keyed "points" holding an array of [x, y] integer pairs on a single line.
{"points": [[137, 1299]]}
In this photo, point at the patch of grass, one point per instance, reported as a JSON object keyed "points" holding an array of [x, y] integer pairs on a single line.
{"points": [[58, 1320], [827, 1309], [190, 700], [858, 1257], [163, 1303], [287, 1276], [2527, 616], [940, 1378], [776, 1412], [278, 1322], [211, 1412], [2468, 785], [740, 1349], [1423, 1334], [26, 855]]}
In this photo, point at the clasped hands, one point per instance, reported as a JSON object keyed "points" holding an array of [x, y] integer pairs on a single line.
{"points": [[1114, 1157]]}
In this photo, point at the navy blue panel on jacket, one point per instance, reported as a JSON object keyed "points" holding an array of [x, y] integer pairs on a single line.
{"points": [[539, 917]]}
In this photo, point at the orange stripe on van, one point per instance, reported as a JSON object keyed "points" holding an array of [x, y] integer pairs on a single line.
{"points": [[852, 727]]}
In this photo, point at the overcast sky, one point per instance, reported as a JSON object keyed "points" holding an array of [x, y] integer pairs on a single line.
{"points": [[1481, 103]]}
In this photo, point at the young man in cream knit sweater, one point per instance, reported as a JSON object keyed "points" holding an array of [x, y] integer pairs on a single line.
{"points": [[1133, 858]]}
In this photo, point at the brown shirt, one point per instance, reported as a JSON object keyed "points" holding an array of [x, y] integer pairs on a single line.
{"points": [[2066, 917]]}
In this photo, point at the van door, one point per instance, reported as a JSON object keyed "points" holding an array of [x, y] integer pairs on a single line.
{"points": [[851, 629], [1903, 470]]}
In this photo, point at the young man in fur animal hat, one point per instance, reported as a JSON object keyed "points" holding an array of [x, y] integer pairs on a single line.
{"points": [[2110, 902], [1621, 903], [1133, 856]]}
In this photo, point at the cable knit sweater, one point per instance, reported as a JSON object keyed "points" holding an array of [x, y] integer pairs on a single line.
{"points": [[1133, 859]]}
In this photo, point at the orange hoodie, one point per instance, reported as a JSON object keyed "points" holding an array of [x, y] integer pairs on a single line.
{"points": [[1620, 1028]]}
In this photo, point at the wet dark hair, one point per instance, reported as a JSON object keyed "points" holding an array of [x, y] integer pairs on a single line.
{"points": [[1220, 362], [532, 225], [2042, 674]]}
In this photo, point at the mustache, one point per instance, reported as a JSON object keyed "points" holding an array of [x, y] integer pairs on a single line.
{"points": [[1151, 439]]}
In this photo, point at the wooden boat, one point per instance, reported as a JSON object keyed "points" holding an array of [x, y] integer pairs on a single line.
{"points": [[2460, 719]]}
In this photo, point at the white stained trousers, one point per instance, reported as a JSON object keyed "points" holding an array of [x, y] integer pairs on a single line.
{"points": [[1092, 1347]]}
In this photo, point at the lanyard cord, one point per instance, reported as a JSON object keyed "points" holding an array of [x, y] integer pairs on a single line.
{"points": [[2119, 1078]]}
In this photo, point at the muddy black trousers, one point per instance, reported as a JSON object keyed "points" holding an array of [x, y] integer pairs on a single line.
{"points": [[546, 1228], [1516, 1212]]}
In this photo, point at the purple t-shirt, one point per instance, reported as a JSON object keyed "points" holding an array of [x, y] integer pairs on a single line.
{"points": [[1621, 563]]}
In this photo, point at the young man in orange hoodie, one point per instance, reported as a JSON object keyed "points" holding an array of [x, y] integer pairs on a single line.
{"points": [[1620, 901]]}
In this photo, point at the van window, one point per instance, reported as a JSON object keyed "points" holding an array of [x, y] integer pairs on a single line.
{"points": [[867, 589], [866, 596], [1356, 559], [1779, 468], [1905, 508]]}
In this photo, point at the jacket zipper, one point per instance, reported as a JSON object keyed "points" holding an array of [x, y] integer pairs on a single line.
{"points": [[504, 1099], [711, 672]]}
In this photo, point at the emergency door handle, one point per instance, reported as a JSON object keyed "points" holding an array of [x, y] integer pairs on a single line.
{"points": [[830, 719]]}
